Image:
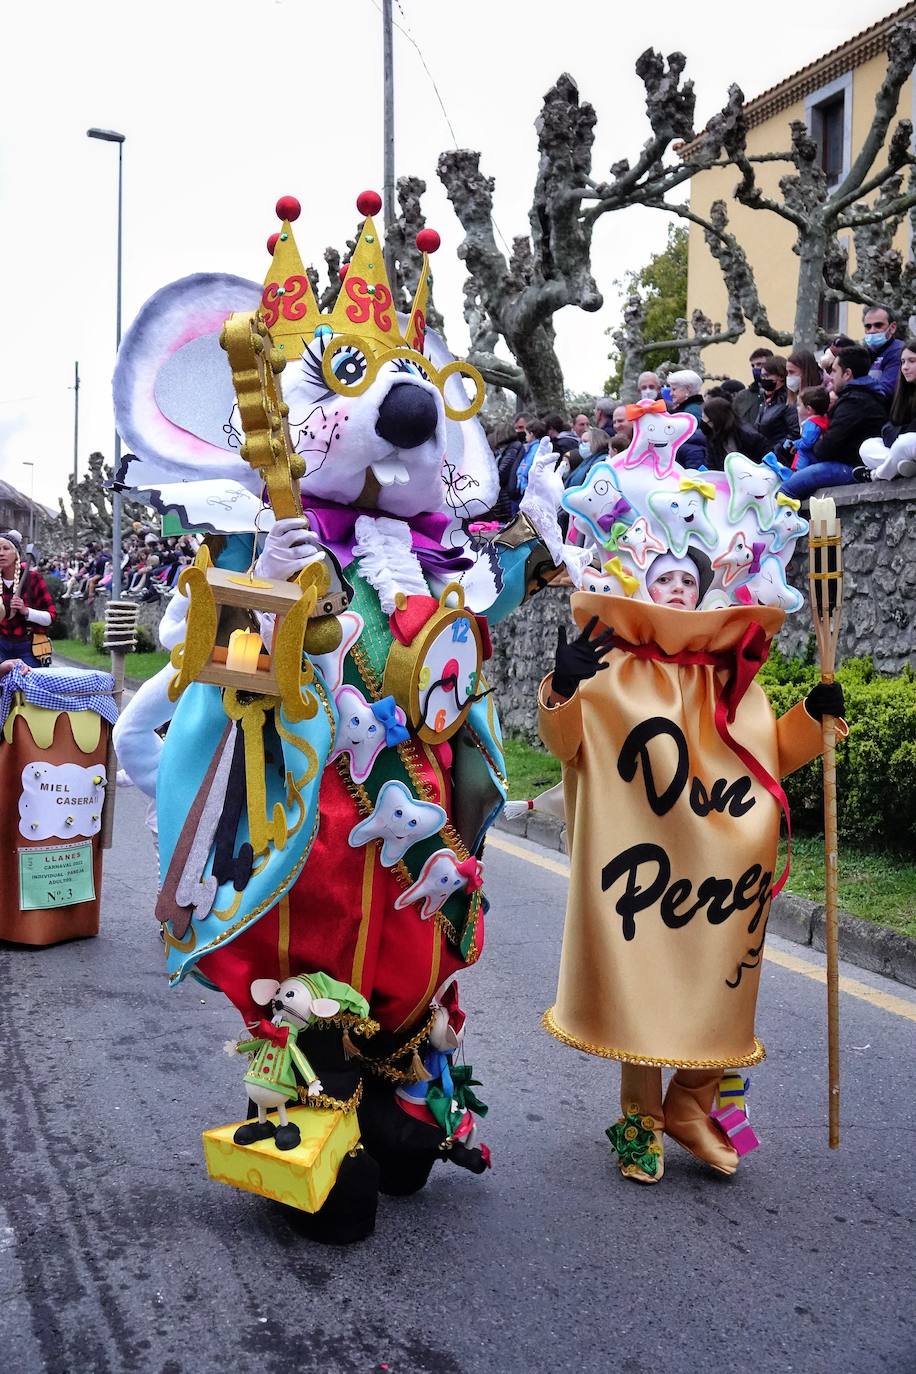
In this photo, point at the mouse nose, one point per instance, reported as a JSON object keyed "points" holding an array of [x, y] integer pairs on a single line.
{"points": [[407, 417]]}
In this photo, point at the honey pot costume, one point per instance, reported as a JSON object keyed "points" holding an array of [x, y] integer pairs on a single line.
{"points": [[671, 765]]}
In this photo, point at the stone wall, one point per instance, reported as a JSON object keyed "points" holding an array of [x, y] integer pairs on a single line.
{"points": [[879, 594], [879, 616]]}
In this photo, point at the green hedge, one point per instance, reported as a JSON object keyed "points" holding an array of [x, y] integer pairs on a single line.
{"points": [[876, 765]]}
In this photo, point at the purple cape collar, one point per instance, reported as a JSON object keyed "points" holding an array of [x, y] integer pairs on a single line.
{"points": [[336, 528]]}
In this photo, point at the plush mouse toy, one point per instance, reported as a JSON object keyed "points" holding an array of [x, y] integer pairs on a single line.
{"points": [[278, 1066]]}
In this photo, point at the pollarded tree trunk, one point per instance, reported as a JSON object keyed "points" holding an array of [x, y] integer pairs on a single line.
{"points": [[812, 254], [536, 355]]}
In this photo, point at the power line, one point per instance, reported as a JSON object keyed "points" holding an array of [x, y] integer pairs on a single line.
{"points": [[410, 38]]}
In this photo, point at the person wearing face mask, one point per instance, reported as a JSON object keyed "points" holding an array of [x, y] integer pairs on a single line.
{"points": [[649, 387], [802, 371], [747, 401], [593, 448], [859, 413], [776, 418], [884, 346]]}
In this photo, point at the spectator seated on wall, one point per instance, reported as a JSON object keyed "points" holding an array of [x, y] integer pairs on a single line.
{"points": [[859, 413], [884, 346], [794, 455], [894, 453]]}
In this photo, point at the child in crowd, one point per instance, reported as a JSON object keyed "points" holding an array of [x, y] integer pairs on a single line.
{"points": [[813, 405], [797, 454]]}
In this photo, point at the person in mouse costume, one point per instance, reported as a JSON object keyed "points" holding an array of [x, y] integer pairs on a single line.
{"points": [[335, 820], [655, 714]]}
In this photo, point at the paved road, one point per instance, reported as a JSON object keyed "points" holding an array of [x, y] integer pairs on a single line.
{"points": [[117, 1252]]}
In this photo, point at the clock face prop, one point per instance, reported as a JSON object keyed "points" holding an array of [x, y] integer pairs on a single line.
{"points": [[436, 677]]}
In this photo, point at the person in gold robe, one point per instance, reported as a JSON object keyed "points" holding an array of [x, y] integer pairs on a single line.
{"points": [[671, 764]]}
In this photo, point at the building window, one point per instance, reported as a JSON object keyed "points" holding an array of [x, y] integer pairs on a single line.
{"points": [[827, 131], [828, 114], [828, 316]]}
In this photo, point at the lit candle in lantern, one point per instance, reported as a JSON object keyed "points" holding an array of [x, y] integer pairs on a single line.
{"points": [[244, 650]]}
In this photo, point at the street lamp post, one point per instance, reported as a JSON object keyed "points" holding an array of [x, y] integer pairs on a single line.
{"points": [[76, 449], [111, 136], [27, 464]]}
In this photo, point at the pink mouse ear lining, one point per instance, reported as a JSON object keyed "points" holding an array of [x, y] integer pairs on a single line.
{"points": [[263, 990]]}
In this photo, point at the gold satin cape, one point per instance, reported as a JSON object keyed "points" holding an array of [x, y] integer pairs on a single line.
{"points": [[667, 907]]}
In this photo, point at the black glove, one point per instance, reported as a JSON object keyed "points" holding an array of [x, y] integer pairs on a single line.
{"points": [[582, 659], [826, 699]]}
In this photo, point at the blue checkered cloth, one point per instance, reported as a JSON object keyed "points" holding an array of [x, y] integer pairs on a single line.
{"points": [[57, 689]]}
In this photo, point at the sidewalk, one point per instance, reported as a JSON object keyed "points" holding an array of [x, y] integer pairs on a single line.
{"points": [[862, 943]]}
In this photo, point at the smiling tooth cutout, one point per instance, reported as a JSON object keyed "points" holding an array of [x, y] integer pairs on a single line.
{"points": [[439, 878], [753, 487], [769, 587], [736, 559], [787, 523], [597, 503], [361, 732], [399, 821], [658, 437], [640, 543], [682, 515]]}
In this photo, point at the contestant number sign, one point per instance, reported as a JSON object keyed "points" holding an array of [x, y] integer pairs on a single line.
{"points": [[59, 876]]}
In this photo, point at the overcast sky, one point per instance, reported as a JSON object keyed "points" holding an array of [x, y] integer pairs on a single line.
{"points": [[228, 104]]}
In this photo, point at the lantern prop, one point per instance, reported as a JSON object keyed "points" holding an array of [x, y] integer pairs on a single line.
{"points": [[235, 658]]}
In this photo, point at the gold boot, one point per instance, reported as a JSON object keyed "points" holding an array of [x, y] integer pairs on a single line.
{"points": [[691, 1093], [637, 1135]]}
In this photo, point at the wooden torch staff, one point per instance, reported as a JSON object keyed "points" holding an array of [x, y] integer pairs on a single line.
{"points": [[121, 639], [825, 584]]}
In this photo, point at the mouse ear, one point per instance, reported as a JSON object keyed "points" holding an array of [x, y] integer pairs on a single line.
{"points": [[263, 990], [325, 1006]]}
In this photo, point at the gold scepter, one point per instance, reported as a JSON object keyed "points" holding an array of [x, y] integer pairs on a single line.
{"points": [[825, 586]]}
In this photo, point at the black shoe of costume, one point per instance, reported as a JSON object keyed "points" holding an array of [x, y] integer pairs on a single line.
{"points": [[477, 1159], [862, 474], [253, 1131], [348, 1214], [287, 1137]]}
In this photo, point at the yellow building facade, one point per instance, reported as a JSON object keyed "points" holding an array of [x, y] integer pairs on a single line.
{"points": [[835, 97]]}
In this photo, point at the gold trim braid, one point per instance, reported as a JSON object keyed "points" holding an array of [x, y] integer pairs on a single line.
{"points": [[331, 1103], [756, 1056]]}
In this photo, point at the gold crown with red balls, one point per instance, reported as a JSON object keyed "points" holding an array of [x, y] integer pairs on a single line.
{"points": [[364, 318]]}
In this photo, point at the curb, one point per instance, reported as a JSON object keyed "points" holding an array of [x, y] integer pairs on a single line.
{"points": [[875, 948]]}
